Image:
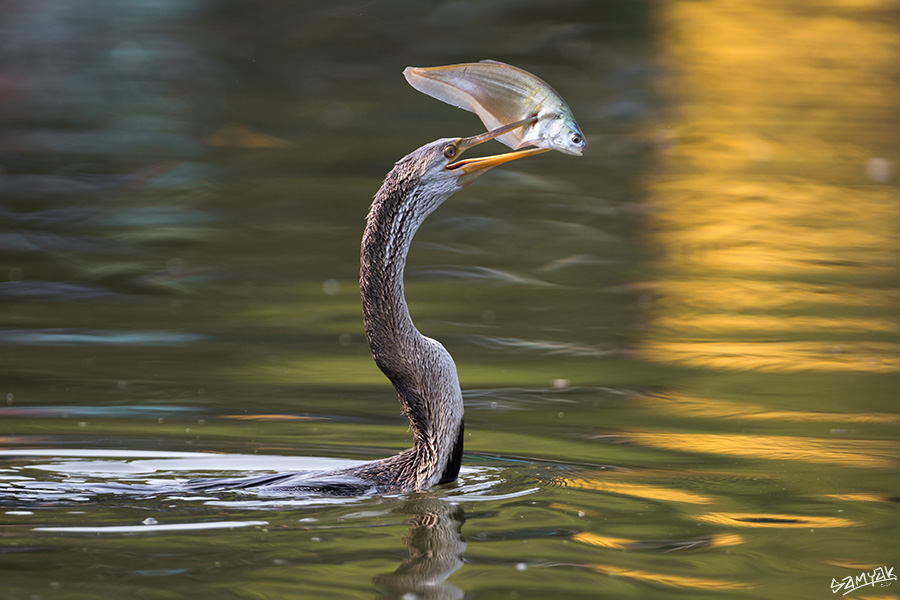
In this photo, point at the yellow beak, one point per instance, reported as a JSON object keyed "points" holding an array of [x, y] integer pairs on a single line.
{"points": [[473, 167]]}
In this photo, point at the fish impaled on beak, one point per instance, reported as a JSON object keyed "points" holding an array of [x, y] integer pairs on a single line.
{"points": [[502, 94], [471, 168]]}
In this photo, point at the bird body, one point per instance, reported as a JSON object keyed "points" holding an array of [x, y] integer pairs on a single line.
{"points": [[420, 368]]}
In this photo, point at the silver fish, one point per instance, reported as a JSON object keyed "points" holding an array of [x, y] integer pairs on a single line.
{"points": [[501, 94]]}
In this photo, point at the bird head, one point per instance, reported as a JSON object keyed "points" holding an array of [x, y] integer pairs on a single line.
{"points": [[439, 166], [468, 169]]}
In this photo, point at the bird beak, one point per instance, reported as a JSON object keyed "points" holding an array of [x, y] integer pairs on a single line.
{"points": [[473, 167]]}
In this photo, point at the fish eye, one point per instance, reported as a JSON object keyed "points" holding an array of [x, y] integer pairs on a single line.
{"points": [[576, 139], [450, 151]]}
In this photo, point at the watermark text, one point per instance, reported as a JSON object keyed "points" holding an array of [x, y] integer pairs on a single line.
{"points": [[883, 576]]}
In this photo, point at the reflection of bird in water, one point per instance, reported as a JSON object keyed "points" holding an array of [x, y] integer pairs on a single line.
{"points": [[420, 368], [436, 548]]}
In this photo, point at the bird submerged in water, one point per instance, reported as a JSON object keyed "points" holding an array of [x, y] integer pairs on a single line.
{"points": [[420, 368]]}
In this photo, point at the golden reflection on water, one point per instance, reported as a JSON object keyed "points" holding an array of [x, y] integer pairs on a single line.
{"points": [[708, 408], [860, 497], [776, 198], [756, 520], [774, 356], [614, 543], [714, 291], [849, 453], [767, 323], [857, 566], [670, 580], [635, 489], [271, 418]]}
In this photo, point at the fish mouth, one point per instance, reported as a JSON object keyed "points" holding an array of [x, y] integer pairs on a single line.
{"points": [[470, 168]]}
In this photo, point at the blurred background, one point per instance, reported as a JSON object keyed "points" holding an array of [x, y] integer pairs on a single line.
{"points": [[702, 312]]}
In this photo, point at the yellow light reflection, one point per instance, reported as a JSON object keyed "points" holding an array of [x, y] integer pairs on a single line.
{"points": [[853, 565], [869, 357], [859, 497], [770, 217], [670, 580], [270, 418], [720, 293], [767, 520], [767, 323], [773, 226], [850, 453], [613, 543], [702, 407], [636, 489], [603, 541]]}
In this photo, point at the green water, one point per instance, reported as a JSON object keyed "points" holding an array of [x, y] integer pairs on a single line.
{"points": [[679, 352]]}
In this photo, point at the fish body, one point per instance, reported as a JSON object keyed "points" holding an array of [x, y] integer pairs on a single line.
{"points": [[501, 94]]}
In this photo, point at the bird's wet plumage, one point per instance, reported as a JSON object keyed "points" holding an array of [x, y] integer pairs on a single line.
{"points": [[420, 368]]}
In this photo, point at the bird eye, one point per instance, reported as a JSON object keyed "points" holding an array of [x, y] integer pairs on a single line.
{"points": [[450, 151]]}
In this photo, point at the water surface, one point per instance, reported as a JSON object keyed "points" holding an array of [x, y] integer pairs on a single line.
{"points": [[679, 352]]}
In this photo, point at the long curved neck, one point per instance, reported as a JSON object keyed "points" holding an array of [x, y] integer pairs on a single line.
{"points": [[421, 370], [392, 337]]}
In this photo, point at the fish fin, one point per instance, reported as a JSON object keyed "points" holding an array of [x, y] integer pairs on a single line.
{"points": [[470, 87], [440, 90]]}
